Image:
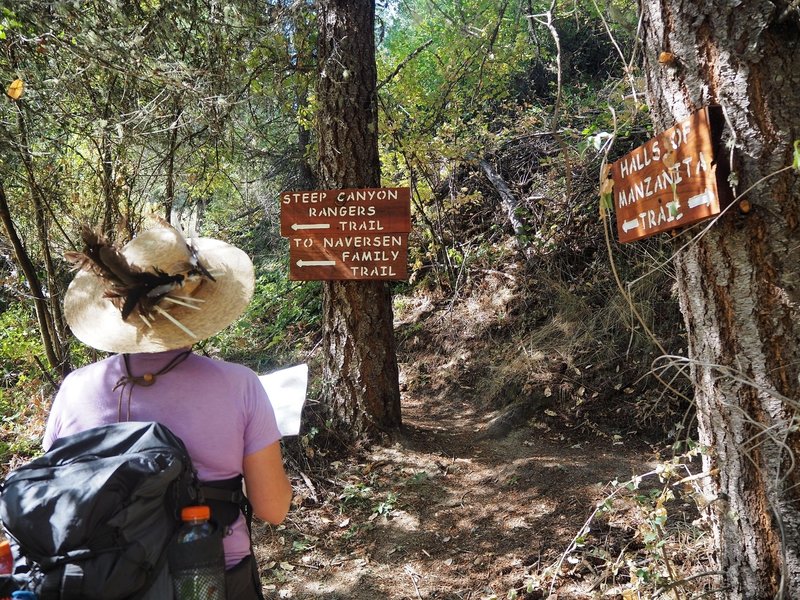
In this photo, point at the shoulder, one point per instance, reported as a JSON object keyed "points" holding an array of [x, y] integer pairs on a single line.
{"points": [[222, 366], [102, 364], [92, 371], [233, 375]]}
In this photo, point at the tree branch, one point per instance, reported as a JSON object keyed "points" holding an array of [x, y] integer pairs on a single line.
{"points": [[404, 62]]}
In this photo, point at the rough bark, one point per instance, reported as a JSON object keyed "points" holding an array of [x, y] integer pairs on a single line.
{"points": [[739, 288], [361, 383]]}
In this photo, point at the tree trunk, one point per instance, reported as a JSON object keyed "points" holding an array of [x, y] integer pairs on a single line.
{"points": [[739, 286], [52, 316], [361, 383], [507, 198], [40, 304], [169, 188]]}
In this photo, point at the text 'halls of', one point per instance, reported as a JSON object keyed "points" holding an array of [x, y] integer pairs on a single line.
{"points": [[663, 181]]}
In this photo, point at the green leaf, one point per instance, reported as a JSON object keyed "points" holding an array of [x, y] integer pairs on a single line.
{"points": [[796, 161]]}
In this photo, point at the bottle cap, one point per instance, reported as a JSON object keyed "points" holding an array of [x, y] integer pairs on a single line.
{"points": [[196, 513]]}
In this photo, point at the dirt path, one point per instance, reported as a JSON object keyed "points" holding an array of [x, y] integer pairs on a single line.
{"points": [[446, 512]]}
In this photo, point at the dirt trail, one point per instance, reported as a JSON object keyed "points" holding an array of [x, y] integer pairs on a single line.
{"points": [[446, 511]]}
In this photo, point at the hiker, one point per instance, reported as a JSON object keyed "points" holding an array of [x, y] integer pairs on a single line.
{"points": [[149, 303]]}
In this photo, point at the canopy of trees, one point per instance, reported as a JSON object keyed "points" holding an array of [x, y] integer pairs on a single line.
{"points": [[120, 112]]}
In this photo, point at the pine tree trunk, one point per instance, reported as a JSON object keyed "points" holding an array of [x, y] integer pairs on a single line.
{"points": [[361, 383], [739, 286]]}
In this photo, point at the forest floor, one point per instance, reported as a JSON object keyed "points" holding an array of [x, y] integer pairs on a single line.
{"points": [[480, 498]]}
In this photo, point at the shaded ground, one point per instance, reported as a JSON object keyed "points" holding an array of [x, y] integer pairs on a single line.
{"points": [[444, 513], [503, 457]]}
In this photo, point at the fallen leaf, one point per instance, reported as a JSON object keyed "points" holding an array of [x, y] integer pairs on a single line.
{"points": [[16, 89]]}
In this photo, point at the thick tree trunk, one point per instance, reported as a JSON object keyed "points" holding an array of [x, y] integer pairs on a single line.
{"points": [[361, 383], [739, 285]]}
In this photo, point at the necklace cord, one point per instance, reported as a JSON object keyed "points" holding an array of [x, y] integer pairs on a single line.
{"points": [[129, 381]]}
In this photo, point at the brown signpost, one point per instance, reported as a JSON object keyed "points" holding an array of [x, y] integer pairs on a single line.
{"points": [[347, 234], [674, 180], [346, 212], [371, 256]]}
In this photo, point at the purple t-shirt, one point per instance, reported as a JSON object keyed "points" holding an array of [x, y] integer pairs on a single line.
{"points": [[219, 409]]}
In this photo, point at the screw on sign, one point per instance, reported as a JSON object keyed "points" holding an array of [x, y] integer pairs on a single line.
{"points": [[673, 180], [370, 256], [346, 211], [347, 234]]}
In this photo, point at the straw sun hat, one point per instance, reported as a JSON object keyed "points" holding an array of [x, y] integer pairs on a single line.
{"points": [[158, 292]]}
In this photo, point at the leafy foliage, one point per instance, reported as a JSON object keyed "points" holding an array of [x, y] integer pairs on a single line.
{"points": [[206, 111]]}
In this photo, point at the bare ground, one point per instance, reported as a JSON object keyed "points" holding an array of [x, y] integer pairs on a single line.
{"points": [[481, 498], [448, 513]]}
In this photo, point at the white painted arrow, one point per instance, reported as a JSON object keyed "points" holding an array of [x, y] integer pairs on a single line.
{"points": [[628, 225], [704, 198], [316, 263], [296, 226]]}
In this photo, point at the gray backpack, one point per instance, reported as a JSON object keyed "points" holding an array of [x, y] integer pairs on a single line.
{"points": [[95, 516]]}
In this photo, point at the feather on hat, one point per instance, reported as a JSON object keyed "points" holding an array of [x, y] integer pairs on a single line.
{"points": [[159, 292]]}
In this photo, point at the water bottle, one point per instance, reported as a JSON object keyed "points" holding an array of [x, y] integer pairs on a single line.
{"points": [[198, 563], [6, 558], [6, 566]]}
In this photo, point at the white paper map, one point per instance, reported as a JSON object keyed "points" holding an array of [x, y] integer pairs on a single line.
{"points": [[286, 389]]}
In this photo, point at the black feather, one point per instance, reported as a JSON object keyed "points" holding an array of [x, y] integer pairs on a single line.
{"points": [[128, 287], [198, 268]]}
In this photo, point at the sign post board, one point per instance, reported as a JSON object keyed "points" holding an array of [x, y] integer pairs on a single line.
{"points": [[347, 234], [674, 180]]}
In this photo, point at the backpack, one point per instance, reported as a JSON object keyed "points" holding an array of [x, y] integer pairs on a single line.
{"points": [[94, 517]]}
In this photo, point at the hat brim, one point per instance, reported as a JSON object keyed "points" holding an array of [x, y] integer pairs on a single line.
{"points": [[97, 322]]}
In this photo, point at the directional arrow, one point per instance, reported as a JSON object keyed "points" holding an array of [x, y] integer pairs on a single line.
{"points": [[296, 226], [704, 198], [628, 225], [316, 263]]}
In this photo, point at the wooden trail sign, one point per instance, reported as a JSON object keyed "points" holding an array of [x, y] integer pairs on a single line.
{"points": [[674, 180], [327, 212], [372, 256], [347, 234]]}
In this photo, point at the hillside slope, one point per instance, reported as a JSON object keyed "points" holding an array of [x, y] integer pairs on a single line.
{"points": [[525, 407]]}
